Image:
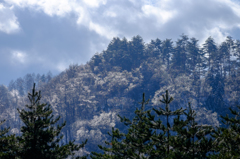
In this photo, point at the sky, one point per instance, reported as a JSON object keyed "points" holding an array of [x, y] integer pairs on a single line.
{"points": [[37, 36]]}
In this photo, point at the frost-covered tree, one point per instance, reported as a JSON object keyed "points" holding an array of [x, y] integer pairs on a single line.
{"points": [[167, 49], [28, 81], [20, 86]]}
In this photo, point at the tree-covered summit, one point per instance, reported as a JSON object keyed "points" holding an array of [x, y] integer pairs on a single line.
{"points": [[89, 96]]}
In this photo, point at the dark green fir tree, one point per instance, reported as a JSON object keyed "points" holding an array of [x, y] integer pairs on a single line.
{"points": [[139, 134], [227, 139], [191, 141], [137, 144], [117, 149], [40, 137], [8, 145], [163, 144]]}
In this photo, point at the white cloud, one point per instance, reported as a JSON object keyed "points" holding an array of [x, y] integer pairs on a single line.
{"points": [[61, 66], [8, 21], [219, 36], [19, 56], [103, 31], [162, 15], [95, 3], [49, 7]]}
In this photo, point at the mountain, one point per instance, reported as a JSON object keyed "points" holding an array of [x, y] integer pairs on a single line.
{"points": [[90, 96]]}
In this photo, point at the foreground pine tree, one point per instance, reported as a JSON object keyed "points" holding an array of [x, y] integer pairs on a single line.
{"points": [[117, 149], [227, 140], [136, 145], [40, 137], [7, 144], [163, 144], [184, 143], [139, 134]]}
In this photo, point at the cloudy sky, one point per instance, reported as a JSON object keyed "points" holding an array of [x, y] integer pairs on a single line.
{"points": [[48, 35]]}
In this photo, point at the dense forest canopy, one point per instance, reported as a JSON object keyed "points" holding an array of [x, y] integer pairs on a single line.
{"points": [[90, 96], [212, 69]]}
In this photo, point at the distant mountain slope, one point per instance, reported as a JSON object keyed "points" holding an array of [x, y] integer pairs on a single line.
{"points": [[90, 96]]}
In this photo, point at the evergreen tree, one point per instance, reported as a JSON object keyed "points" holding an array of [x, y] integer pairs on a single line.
{"points": [[210, 50], [228, 54], [40, 139], [184, 143], [195, 64], [227, 139], [151, 47], [8, 145], [117, 54], [237, 54], [122, 58], [194, 55], [236, 80], [223, 53], [159, 139], [111, 52], [136, 48], [154, 48], [215, 99], [139, 134], [137, 143], [117, 150], [167, 49], [179, 58]]}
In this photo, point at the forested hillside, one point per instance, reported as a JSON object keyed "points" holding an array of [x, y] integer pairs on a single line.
{"points": [[90, 96]]}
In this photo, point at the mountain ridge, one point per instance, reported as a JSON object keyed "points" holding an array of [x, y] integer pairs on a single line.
{"points": [[113, 81]]}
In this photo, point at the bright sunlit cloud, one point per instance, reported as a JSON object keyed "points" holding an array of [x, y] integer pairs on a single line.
{"points": [[50, 7], [95, 3], [161, 15], [8, 21]]}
